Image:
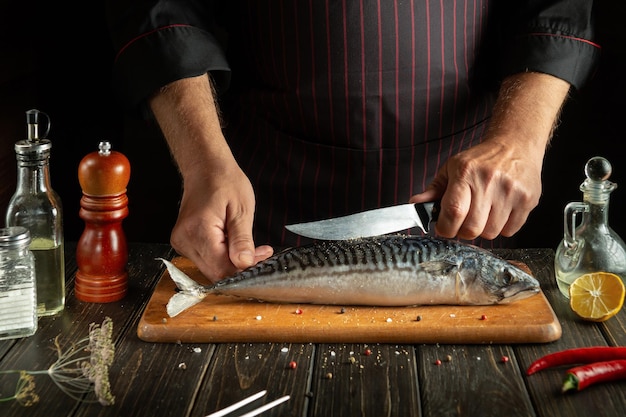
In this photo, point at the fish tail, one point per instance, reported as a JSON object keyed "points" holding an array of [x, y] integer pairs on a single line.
{"points": [[190, 291], [181, 302]]}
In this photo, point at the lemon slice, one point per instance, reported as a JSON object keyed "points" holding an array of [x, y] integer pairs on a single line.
{"points": [[597, 296]]}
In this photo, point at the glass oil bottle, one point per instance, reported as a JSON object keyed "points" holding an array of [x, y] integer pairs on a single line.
{"points": [[37, 207], [591, 245]]}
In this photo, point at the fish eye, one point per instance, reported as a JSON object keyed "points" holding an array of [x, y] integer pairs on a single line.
{"points": [[508, 277]]}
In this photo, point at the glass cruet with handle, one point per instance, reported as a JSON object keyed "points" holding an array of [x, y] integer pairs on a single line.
{"points": [[590, 245]]}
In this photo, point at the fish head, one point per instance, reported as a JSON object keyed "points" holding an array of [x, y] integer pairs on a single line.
{"points": [[491, 280]]}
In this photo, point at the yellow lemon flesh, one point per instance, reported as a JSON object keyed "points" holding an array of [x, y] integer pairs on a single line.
{"points": [[597, 296]]}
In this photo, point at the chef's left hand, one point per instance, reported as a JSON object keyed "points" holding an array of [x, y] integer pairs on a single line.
{"points": [[487, 190], [491, 188]]}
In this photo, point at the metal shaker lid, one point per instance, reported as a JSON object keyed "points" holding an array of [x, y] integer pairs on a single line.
{"points": [[14, 236]]}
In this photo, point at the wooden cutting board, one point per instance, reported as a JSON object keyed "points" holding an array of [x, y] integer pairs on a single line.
{"points": [[230, 319]]}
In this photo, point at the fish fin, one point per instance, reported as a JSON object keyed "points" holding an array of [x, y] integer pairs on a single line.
{"points": [[181, 302], [183, 282], [438, 267], [189, 295]]}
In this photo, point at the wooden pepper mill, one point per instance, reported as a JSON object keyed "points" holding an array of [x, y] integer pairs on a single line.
{"points": [[102, 252]]}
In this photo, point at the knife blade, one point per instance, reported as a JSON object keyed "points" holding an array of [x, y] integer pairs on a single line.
{"points": [[371, 223]]}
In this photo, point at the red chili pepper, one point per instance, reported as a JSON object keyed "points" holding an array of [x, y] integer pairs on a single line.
{"points": [[581, 377], [577, 355]]}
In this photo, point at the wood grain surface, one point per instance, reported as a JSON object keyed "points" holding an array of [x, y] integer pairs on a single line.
{"points": [[229, 319]]}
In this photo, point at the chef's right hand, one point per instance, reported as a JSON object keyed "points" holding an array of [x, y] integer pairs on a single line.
{"points": [[214, 226]]}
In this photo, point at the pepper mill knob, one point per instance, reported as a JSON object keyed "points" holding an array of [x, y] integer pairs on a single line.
{"points": [[102, 252]]}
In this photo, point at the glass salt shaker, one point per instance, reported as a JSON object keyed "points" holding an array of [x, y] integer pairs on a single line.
{"points": [[590, 246], [18, 290], [36, 206]]}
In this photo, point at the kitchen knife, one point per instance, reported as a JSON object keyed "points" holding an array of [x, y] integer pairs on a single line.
{"points": [[371, 223]]}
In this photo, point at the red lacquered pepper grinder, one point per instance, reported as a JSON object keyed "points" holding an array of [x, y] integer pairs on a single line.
{"points": [[102, 252]]}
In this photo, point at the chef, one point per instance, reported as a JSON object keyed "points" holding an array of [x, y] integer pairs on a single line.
{"points": [[283, 112]]}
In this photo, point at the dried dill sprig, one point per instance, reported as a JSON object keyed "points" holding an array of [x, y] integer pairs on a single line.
{"points": [[80, 370], [24, 391]]}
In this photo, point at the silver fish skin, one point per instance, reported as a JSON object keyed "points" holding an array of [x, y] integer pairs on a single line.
{"points": [[390, 270]]}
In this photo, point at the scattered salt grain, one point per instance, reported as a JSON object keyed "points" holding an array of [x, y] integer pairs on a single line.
{"points": [[389, 319], [259, 317], [284, 350], [197, 350]]}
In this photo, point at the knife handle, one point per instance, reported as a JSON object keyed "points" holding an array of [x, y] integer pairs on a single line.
{"points": [[428, 212], [435, 211]]}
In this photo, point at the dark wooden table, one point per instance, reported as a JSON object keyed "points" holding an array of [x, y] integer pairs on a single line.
{"points": [[155, 379]]}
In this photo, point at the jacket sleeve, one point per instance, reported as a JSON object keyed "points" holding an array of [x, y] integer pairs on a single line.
{"points": [[158, 42], [555, 37]]}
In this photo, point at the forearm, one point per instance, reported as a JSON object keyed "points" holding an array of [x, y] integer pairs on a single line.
{"points": [[189, 119], [527, 110]]}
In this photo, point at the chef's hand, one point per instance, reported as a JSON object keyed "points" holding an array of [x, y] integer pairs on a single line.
{"points": [[487, 190], [490, 189], [214, 225]]}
